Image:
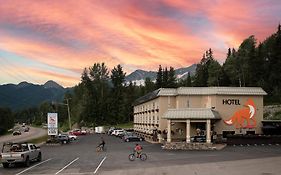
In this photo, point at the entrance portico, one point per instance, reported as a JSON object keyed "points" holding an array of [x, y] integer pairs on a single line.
{"points": [[190, 116]]}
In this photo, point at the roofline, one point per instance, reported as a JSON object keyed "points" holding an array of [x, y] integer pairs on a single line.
{"points": [[157, 94]]}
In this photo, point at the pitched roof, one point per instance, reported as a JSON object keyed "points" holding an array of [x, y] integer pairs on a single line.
{"points": [[191, 113], [200, 91]]}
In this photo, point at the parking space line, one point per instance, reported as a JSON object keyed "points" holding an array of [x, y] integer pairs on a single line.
{"points": [[100, 165], [33, 166], [67, 165]]}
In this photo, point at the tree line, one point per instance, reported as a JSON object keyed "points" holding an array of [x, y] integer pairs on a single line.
{"points": [[103, 98]]}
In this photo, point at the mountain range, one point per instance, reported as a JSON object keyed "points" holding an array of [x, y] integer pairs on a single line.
{"points": [[138, 76], [25, 95]]}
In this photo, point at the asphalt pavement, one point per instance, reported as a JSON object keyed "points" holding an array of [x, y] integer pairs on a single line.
{"points": [[80, 157]]}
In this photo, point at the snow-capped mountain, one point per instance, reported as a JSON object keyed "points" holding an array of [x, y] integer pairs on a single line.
{"points": [[138, 76]]}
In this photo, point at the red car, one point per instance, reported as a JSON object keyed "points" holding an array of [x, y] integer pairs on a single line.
{"points": [[76, 132]]}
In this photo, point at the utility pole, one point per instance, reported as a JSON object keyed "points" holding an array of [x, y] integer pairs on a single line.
{"points": [[68, 111], [69, 120]]}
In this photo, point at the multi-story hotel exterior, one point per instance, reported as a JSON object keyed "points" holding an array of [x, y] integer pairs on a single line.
{"points": [[180, 113]]}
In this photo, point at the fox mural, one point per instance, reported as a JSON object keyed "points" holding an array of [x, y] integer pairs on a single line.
{"points": [[247, 114]]}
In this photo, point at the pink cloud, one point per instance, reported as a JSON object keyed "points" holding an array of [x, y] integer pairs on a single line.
{"points": [[71, 35]]}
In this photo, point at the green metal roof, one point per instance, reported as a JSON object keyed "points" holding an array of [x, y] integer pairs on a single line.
{"points": [[200, 91], [191, 113]]}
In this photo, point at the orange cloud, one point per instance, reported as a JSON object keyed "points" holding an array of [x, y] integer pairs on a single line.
{"points": [[71, 35]]}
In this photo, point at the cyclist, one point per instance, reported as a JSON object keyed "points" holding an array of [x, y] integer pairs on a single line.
{"points": [[138, 150], [102, 143]]}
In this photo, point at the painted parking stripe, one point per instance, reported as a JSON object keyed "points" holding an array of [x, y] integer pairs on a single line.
{"points": [[67, 165], [33, 166], [100, 165]]}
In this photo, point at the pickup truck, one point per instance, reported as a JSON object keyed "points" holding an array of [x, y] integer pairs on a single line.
{"points": [[15, 153]]}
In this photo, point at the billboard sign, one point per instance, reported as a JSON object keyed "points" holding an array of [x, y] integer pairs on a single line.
{"points": [[52, 123]]}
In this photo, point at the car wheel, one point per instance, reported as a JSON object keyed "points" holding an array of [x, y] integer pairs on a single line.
{"points": [[39, 157], [5, 165], [27, 162], [140, 139], [127, 140], [64, 142]]}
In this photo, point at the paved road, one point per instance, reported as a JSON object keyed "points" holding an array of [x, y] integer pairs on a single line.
{"points": [[80, 158], [33, 133]]}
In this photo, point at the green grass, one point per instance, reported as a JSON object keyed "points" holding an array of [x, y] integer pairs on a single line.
{"points": [[38, 140]]}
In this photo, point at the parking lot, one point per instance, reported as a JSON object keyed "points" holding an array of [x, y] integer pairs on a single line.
{"points": [[80, 157]]}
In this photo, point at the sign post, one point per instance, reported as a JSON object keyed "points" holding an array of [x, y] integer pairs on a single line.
{"points": [[52, 123]]}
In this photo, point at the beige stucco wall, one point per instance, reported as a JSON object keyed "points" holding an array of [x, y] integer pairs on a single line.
{"points": [[163, 103]]}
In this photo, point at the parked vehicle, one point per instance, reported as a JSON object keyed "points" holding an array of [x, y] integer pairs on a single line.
{"points": [[201, 138], [109, 132], [76, 132], [72, 137], [14, 153], [117, 132], [17, 132], [63, 138], [99, 130], [131, 137], [59, 139]]}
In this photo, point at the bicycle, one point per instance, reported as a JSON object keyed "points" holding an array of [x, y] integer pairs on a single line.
{"points": [[133, 156], [100, 148]]}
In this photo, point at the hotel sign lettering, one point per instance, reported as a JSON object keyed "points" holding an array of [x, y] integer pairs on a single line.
{"points": [[231, 102]]}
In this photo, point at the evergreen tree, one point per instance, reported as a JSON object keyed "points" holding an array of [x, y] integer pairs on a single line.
{"points": [[6, 120], [214, 73], [165, 78], [171, 82], [159, 78], [201, 75], [149, 85], [118, 96]]}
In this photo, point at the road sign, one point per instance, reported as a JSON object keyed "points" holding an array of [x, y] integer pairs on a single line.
{"points": [[52, 123]]}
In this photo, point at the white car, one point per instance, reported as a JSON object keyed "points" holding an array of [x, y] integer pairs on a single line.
{"points": [[117, 132], [72, 137]]}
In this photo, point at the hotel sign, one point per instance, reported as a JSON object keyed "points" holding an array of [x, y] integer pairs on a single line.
{"points": [[231, 102], [52, 123]]}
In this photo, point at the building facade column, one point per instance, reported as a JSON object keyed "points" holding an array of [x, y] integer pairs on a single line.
{"points": [[208, 131], [187, 131], [169, 131]]}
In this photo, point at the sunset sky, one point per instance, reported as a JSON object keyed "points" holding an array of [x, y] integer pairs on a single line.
{"points": [[55, 40]]}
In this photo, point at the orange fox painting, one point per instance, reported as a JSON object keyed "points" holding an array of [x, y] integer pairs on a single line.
{"points": [[246, 114]]}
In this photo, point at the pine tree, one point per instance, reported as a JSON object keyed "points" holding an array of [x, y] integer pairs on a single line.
{"points": [[159, 78], [171, 78], [165, 78], [118, 97]]}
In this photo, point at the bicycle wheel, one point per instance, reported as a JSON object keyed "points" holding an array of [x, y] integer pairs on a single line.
{"points": [[98, 149], [143, 156], [132, 157]]}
